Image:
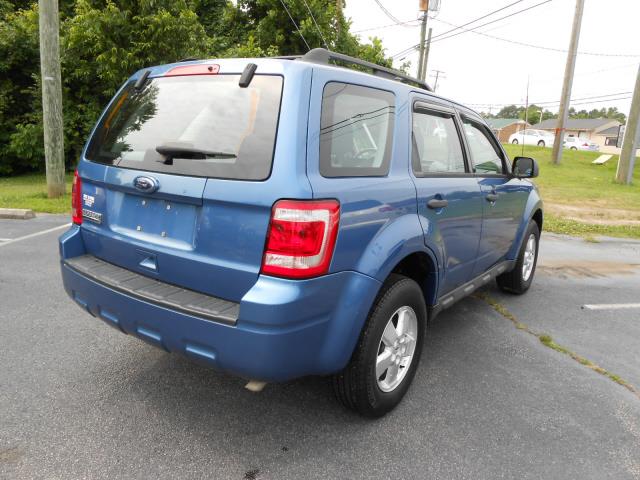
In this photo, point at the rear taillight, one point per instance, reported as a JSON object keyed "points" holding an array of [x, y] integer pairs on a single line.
{"points": [[301, 238], [76, 199], [585, 144]]}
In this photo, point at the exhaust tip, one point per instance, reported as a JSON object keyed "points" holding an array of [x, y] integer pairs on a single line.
{"points": [[255, 386]]}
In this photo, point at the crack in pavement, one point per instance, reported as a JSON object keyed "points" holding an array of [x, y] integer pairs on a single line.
{"points": [[547, 341]]}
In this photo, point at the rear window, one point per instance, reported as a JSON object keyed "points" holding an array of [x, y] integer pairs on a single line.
{"points": [[356, 131], [198, 125]]}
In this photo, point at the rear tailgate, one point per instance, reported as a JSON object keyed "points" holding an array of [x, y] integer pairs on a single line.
{"points": [[189, 229]]}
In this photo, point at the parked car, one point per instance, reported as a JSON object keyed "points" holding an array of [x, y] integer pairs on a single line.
{"points": [[576, 143], [530, 136], [276, 218]]}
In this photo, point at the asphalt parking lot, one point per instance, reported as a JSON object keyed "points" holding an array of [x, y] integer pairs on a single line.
{"points": [[81, 400]]}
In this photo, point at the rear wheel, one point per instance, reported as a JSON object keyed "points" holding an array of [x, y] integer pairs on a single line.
{"points": [[514, 141], [520, 278], [388, 352], [573, 148], [541, 143]]}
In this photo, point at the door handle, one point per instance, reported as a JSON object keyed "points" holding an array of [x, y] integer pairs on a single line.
{"points": [[436, 203], [491, 197]]}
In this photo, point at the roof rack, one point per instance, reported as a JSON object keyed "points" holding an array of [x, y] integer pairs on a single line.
{"points": [[324, 56]]}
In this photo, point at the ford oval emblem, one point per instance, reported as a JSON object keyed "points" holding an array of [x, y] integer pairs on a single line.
{"points": [[146, 184]]}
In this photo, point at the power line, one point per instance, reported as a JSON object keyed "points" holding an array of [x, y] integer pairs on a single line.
{"points": [[401, 24], [541, 104], [387, 12], [316, 24], [516, 42], [465, 30], [295, 25], [479, 18]]}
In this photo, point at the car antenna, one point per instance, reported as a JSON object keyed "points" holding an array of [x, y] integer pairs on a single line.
{"points": [[142, 80], [247, 75]]}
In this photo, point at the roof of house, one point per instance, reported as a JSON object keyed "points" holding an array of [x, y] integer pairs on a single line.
{"points": [[576, 123], [610, 131], [499, 123]]}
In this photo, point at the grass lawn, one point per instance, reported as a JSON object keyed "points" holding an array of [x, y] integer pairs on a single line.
{"points": [[580, 198], [583, 199], [30, 191], [577, 182]]}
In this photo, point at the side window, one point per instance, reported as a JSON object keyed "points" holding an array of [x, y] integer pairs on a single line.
{"points": [[356, 131], [486, 156], [436, 144]]}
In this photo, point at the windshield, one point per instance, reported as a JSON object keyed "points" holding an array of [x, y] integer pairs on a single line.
{"points": [[199, 125]]}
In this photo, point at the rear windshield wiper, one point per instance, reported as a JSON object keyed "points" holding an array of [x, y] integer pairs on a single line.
{"points": [[189, 153]]}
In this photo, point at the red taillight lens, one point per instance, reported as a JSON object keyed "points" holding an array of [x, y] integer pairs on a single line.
{"points": [[76, 199], [585, 144], [301, 238]]}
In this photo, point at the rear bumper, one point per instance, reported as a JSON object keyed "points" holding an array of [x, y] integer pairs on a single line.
{"points": [[285, 328]]}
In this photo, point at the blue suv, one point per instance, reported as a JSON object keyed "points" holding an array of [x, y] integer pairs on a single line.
{"points": [[281, 217]]}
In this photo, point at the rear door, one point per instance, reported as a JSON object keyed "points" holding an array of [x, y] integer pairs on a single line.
{"points": [[449, 198], [503, 196], [179, 179]]}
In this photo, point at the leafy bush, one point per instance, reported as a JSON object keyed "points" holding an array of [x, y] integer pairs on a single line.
{"points": [[102, 42]]}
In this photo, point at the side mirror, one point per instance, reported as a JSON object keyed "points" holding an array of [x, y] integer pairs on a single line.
{"points": [[525, 167]]}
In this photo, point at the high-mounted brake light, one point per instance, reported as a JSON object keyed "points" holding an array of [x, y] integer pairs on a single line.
{"points": [[200, 69], [76, 199], [301, 238]]}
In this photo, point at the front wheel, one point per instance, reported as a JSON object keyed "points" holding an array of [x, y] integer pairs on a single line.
{"points": [[541, 143], [573, 148], [388, 352], [520, 278], [514, 141]]}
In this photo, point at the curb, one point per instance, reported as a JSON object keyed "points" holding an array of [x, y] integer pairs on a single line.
{"points": [[16, 213]]}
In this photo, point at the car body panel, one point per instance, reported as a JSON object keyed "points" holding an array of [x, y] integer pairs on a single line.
{"points": [[208, 235]]}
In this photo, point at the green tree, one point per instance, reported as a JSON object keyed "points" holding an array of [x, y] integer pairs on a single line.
{"points": [[104, 41]]}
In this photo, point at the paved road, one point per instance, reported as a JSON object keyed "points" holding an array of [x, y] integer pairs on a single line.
{"points": [[80, 400]]}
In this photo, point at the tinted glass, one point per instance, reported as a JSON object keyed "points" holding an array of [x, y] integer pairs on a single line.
{"points": [[192, 125], [356, 131], [485, 154], [436, 147]]}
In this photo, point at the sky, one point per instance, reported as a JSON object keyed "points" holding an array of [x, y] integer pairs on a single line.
{"points": [[485, 73]]}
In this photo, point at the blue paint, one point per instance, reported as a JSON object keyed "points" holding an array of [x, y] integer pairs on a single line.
{"points": [[209, 234]]}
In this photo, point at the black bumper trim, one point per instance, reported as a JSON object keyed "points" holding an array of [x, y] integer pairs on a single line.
{"points": [[156, 292]]}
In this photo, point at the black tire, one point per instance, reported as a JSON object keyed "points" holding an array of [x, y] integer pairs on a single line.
{"points": [[357, 386], [573, 148], [541, 143], [514, 141], [515, 281]]}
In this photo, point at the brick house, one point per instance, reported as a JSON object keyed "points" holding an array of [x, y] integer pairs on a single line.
{"points": [[503, 128]]}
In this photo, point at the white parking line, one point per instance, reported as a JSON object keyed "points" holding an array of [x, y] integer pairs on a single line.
{"points": [[611, 306], [37, 234]]}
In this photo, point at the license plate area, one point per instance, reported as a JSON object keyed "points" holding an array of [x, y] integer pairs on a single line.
{"points": [[164, 222]]}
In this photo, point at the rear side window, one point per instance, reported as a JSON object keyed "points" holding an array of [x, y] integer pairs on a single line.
{"points": [[356, 131], [486, 156], [198, 125], [436, 147]]}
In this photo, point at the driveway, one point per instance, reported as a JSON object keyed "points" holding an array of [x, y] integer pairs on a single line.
{"points": [[490, 400]]}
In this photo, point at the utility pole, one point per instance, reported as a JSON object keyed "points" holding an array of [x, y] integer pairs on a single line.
{"points": [[569, 70], [423, 72], [423, 6], [627, 159], [51, 97], [437, 76], [339, 16]]}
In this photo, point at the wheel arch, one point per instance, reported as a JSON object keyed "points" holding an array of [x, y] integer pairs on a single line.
{"points": [[533, 211]]}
